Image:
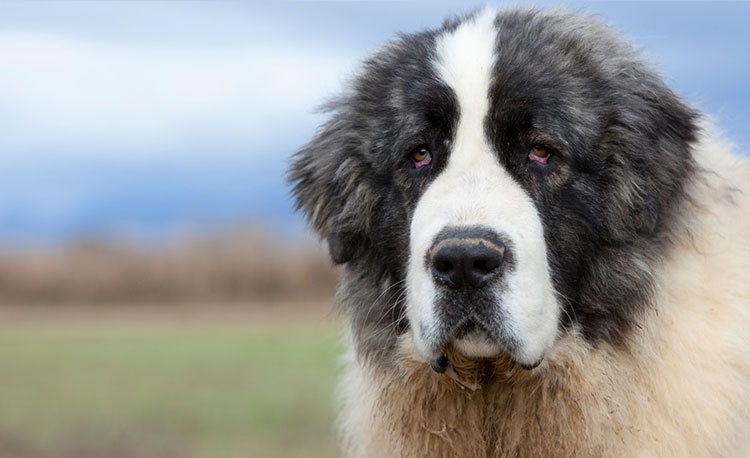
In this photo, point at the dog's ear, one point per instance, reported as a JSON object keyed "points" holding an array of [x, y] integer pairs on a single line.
{"points": [[651, 156], [331, 187]]}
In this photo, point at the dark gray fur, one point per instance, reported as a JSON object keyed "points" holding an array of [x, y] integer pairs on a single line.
{"points": [[621, 144]]}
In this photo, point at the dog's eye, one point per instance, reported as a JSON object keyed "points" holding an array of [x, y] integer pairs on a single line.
{"points": [[539, 154], [421, 157]]}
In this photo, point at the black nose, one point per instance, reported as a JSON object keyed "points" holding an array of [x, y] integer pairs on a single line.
{"points": [[463, 260]]}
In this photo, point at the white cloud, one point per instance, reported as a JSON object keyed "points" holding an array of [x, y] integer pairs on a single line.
{"points": [[64, 95]]}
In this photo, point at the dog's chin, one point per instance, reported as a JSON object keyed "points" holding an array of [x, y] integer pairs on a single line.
{"points": [[477, 344], [475, 359]]}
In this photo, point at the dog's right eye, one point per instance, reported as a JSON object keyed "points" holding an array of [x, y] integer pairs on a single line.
{"points": [[540, 154], [421, 157]]}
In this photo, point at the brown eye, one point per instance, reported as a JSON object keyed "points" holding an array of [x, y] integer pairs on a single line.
{"points": [[539, 154], [421, 157]]}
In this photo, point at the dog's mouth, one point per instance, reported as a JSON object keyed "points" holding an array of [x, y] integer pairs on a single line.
{"points": [[471, 339], [474, 341], [473, 357], [474, 373]]}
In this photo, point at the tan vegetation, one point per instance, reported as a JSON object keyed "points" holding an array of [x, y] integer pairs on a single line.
{"points": [[244, 265]]}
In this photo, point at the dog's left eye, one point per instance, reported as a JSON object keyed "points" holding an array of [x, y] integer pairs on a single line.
{"points": [[421, 157], [539, 153]]}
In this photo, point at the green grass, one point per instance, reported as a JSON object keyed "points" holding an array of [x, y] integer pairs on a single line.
{"points": [[180, 394]]}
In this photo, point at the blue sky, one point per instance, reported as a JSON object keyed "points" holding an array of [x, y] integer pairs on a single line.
{"points": [[147, 119]]}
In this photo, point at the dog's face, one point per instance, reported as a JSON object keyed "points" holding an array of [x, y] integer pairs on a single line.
{"points": [[509, 175]]}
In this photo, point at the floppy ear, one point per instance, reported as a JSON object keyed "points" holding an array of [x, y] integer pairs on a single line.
{"points": [[652, 157], [329, 176]]}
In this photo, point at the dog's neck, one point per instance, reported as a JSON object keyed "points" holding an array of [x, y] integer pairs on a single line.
{"points": [[541, 413]]}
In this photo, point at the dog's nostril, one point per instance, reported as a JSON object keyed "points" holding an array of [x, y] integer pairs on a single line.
{"points": [[466, 262], [487, 264], [442, 264]]}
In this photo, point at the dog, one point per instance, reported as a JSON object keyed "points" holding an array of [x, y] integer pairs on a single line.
{"points": [[545, 250]]}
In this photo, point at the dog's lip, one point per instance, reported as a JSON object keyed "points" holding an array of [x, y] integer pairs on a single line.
{"points": [[478, 343], [530, 367], [436, 357], [441, 364]]}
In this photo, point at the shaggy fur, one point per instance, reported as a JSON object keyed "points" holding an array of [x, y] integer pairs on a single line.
{"points": [[680, 388], [646, 218]]}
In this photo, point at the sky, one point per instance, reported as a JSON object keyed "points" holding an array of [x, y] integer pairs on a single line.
{"points": [[144, 120]]}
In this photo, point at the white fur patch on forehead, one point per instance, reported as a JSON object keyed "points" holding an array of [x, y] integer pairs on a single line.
{"points": [[465, 58]]}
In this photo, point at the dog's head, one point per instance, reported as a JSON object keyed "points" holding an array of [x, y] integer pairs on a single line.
{"points": [[512, 175]]}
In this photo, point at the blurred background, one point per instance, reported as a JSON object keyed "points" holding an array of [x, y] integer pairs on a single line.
{"points": [[158, 295]]}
